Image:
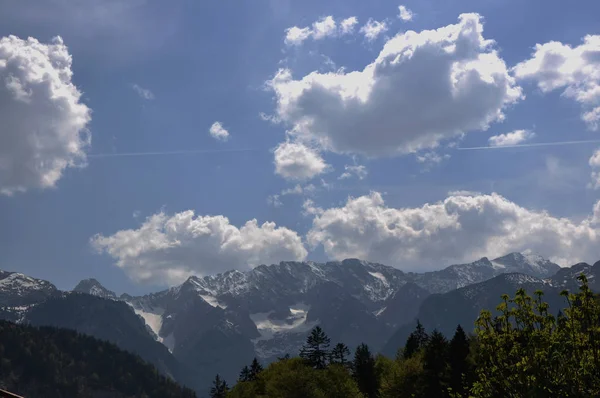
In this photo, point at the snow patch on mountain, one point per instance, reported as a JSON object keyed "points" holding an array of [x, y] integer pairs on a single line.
{"points": [[152, 316], [380, 276], [212, 300], [295, 323]]}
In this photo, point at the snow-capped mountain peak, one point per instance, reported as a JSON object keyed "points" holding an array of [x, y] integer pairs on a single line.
{"points": [[527, 263], [95, 288], [19, 289]]}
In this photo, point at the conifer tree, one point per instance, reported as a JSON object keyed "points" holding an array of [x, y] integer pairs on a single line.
{"points": [[435, 366], [315, 352], [416, 340], [458, 352], [244, 374], [364, 372], [219, 388], [255, 369], [339, 354]]}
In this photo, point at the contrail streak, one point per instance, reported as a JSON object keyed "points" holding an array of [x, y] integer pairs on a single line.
{"points": [[168, 153], [476, 148]]}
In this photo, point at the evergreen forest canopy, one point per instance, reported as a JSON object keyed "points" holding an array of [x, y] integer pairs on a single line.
{"points": [[527, 350], [59, 363]]}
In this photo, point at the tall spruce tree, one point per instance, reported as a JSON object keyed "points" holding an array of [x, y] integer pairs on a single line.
{"points": [[244, 374], [340, 354], [460, 370], [435, 366], [416, 340], [315, 352], [219, 388], [255, 369], [364, 372]]}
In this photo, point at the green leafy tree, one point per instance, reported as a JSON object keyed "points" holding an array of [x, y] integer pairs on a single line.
{"points": [[315, 352], [340, 354], [219, 388], [527, 352], [364, 373]]}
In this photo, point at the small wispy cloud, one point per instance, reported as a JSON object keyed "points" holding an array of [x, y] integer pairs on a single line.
{"points": [[372, 29], [324, 27], [357, 170], [513, 138], [218, 132], [143, 92], [405, 14]]}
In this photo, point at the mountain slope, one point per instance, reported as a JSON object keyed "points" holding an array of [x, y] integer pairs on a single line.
{"points": [[55, 363], [108, 320], [462, 306], [94, 288], [17, 289]]}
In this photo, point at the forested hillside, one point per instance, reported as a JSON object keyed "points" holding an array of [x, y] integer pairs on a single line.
{"points": [[527, 350], [48, 362]]}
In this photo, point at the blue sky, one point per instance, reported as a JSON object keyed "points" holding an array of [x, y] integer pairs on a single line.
{"points": [[201, 62]]}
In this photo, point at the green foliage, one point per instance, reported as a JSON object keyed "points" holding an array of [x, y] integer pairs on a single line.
{"points": [[315, 351], [526, 351], [294, 378], [49, 362]]}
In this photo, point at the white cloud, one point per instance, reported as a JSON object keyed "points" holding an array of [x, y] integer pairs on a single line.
{"points": [[323, 28], [298, 189], [143, 92], [422, 88], [295, 161], [405, 14], [294, 36], [555, 65], [43, 128], [513, 138], [372, 29], [310, 209], [274, 201], [358, 171], [432, 158], [457, 229], [595, 165], [168, 249], [347, 25], [218, 132]]}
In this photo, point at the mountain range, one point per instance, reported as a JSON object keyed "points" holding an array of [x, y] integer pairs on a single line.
{"points": [[219, 323]]}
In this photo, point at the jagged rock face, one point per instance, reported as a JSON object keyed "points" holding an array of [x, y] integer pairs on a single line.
{"points": [[18, 290], [93, 287]]}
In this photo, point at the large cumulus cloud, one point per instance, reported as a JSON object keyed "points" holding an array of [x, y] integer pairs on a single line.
{"points": [[575, 70], [43, 129], [168, 249], [459, 228], [422, 88]]}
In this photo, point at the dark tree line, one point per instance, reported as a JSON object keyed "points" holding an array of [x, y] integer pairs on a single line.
{"points": [[58, 363]]}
